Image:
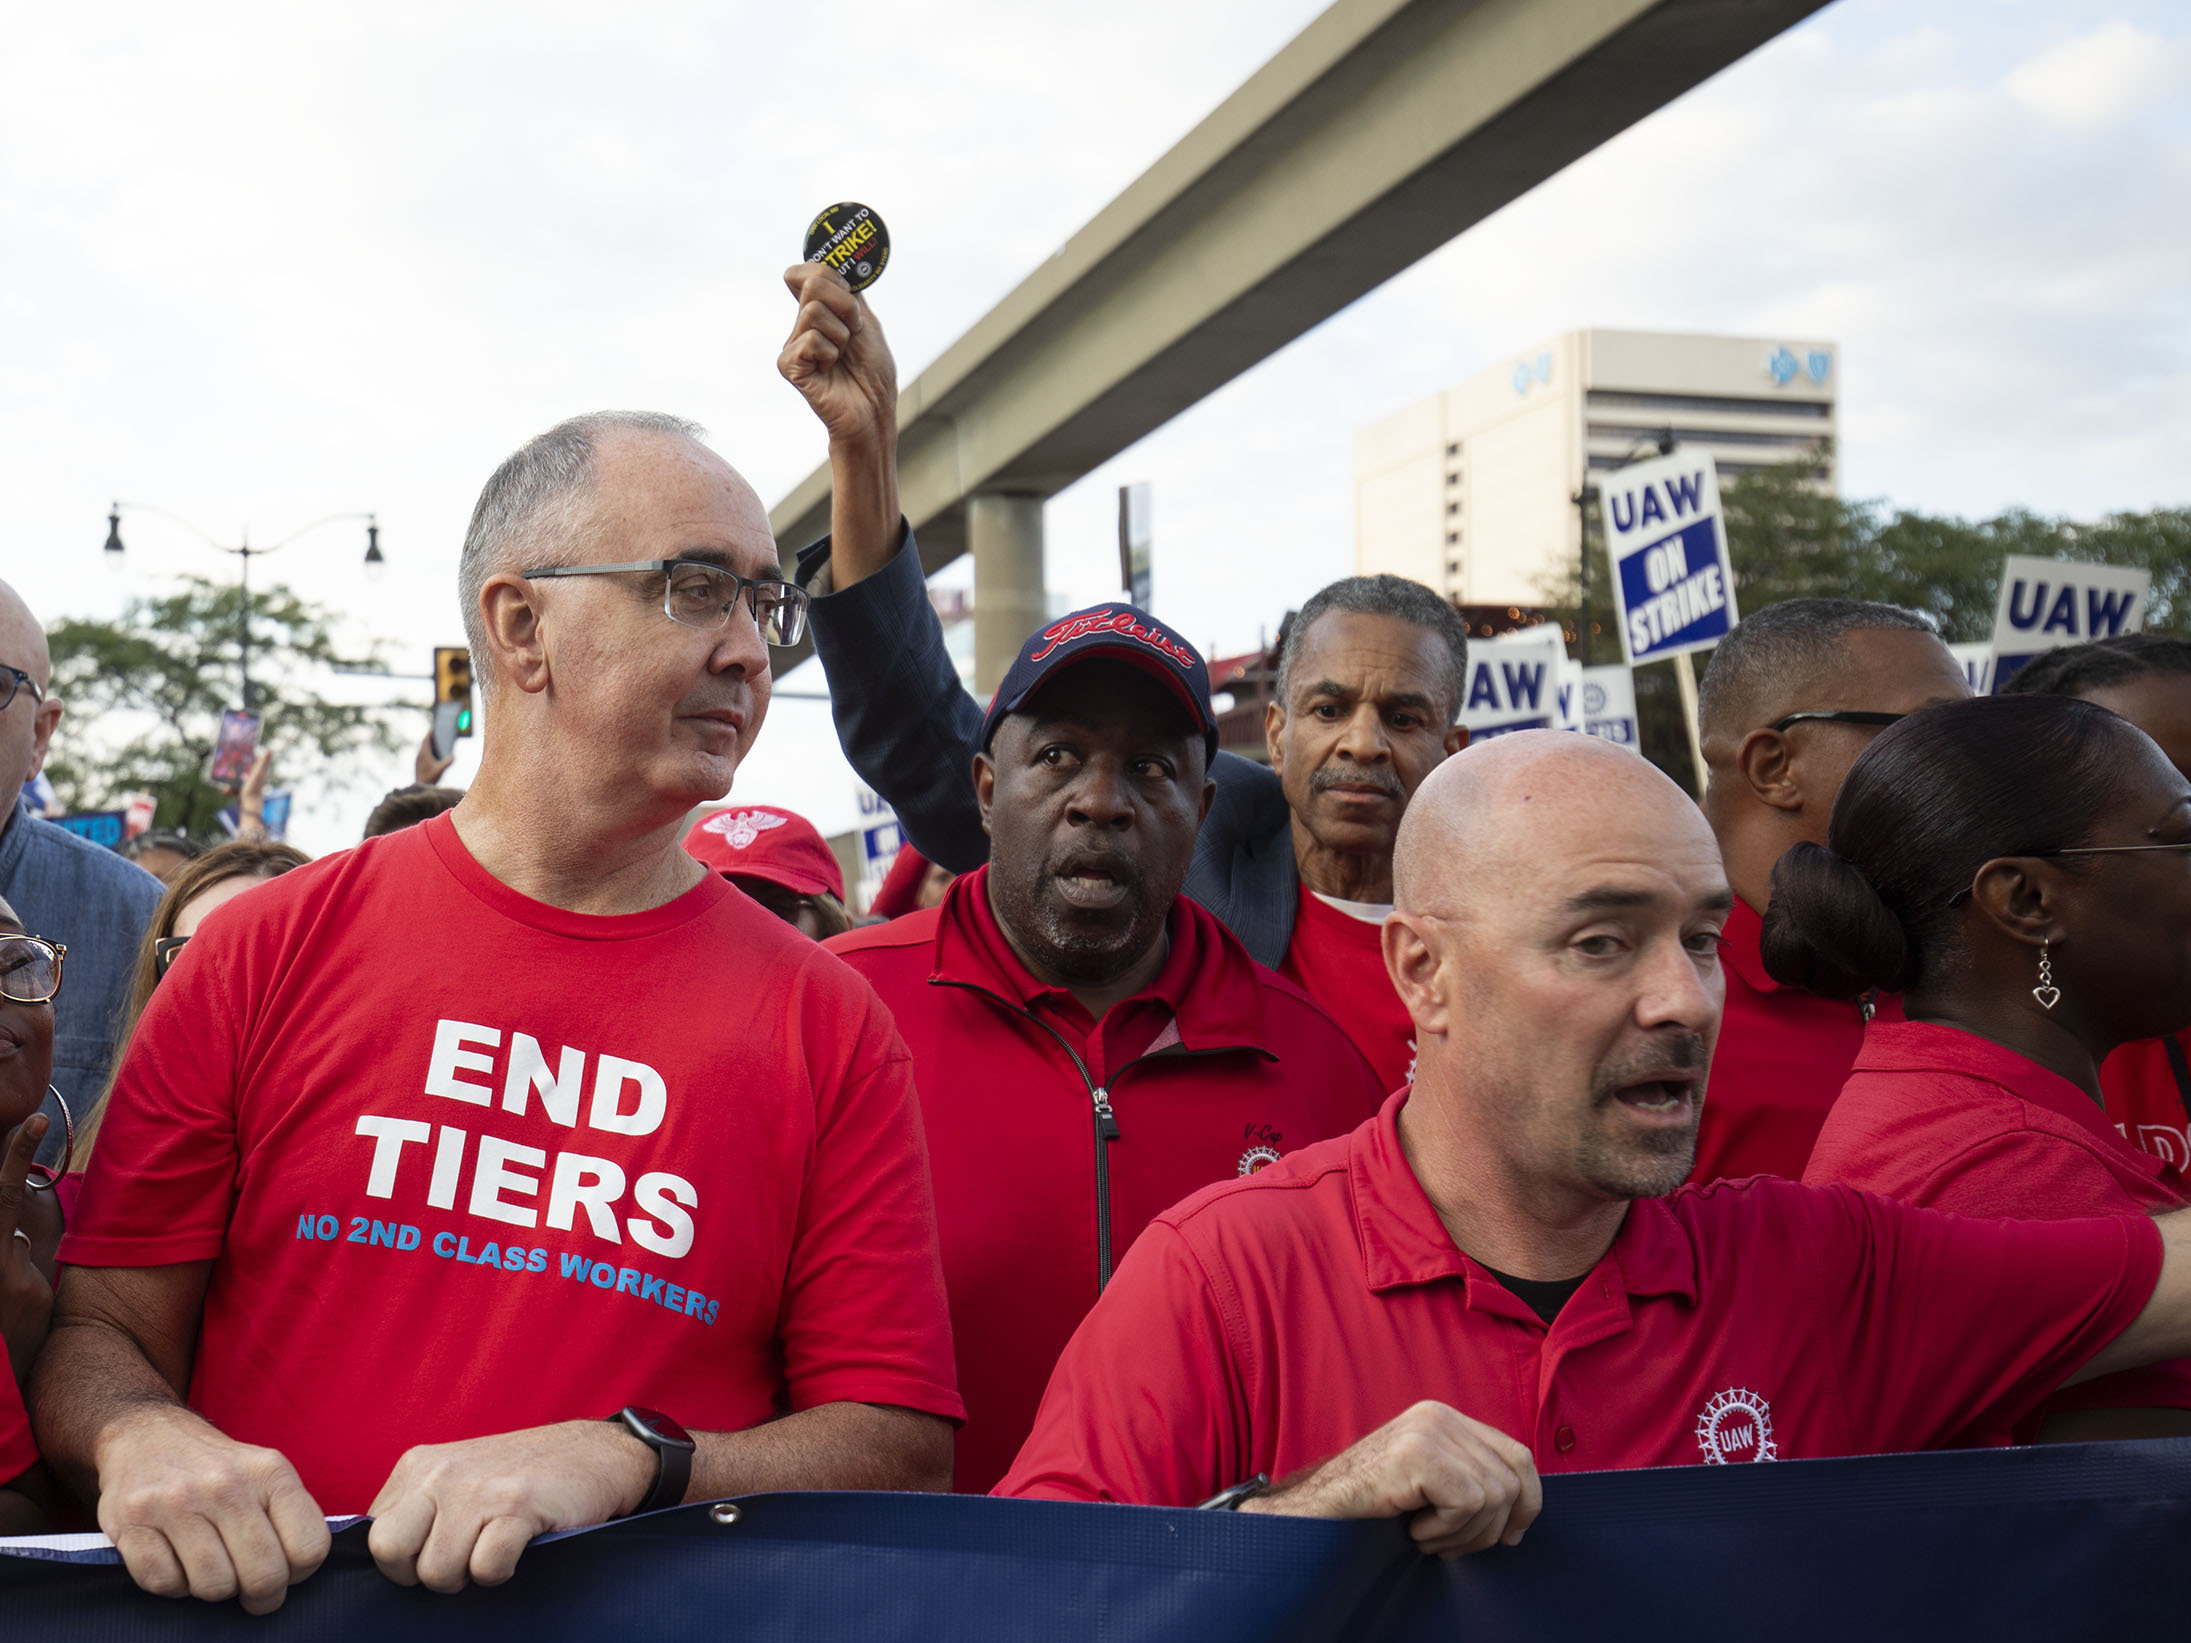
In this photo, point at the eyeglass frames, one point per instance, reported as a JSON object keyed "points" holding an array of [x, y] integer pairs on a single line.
{"points": [[1850, 717], [13, 679], [2182, 846], [163, 953], [700, 595], [30, 968]]}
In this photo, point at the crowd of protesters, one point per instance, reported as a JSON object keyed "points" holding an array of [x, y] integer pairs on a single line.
{"points": [[1362, 1134]]}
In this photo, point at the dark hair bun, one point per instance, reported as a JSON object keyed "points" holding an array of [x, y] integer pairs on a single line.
{"points": [[1827, 930]]}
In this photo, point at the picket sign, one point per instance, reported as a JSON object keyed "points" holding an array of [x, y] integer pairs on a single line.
{"points": [[1976, 661], [1673, 585], [2048, 603], [1609, 706], [1673, 582], [1521, 681]]}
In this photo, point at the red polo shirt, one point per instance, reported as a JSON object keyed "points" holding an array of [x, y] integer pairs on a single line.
{"points": [[18, 1449], [1210, 1074], [1264, 1325], [1339, 961], [1783, 1055], [1936, 1116], [2145, 1101]]}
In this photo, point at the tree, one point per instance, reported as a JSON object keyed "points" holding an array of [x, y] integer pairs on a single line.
{"points": [[145, 695], [1791, 539], [1788, 540]]}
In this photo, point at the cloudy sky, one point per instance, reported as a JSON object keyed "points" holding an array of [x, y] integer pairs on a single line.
{"points": [[265, 262]]}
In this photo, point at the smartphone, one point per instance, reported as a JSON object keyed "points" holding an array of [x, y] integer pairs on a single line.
{"points": [[446, 717], [234, 749]]}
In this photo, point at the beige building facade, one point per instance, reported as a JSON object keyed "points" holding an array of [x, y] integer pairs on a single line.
{"points": [[1473, 491]]}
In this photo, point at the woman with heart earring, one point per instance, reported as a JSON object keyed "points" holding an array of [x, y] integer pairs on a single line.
{"points": [[2019, 869]]}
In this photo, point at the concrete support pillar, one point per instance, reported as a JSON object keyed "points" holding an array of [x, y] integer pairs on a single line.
{"points": [[1004, 534]]}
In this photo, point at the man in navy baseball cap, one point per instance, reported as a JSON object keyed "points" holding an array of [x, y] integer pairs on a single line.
{"points": [[1114, 630], [1090, 1045]]}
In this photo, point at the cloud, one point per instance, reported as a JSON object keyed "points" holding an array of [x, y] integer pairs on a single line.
{"points": [[267, 263], [2108, 74]]}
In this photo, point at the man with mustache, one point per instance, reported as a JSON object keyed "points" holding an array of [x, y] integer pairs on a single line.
{"points": [[1497, 1275], [1089, 1045], [1295, 859]]}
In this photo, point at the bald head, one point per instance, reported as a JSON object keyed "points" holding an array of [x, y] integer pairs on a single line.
{"points": [[1556, 939], [22, 640], [26, 723], [1502, 808]]}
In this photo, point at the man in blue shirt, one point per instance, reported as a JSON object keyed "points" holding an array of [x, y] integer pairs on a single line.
{"points": [[67, 889]]}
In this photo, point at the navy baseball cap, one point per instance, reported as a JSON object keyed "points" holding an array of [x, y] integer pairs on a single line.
{"points": [[1121, 633]]}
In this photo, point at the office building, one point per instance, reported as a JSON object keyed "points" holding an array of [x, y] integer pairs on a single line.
{"points": [[1473, 491]]}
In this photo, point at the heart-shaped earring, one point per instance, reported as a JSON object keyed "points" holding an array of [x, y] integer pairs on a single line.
{"points": [[2046, 992]]}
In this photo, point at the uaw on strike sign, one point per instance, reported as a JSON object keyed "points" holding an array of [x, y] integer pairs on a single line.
{"points": [[1672, 582]]}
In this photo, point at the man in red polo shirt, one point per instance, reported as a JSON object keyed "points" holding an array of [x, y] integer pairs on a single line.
{"points": [[1793, 695], [1490, 1279], [1090, 1045], [1294, 858], [513, 1172]]}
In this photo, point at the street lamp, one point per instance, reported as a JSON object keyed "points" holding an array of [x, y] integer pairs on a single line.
{"points": [[375, 561]]}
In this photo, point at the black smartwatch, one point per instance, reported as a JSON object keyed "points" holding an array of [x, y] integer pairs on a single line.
{"points": [[1228, 1500], [672, 1446]]}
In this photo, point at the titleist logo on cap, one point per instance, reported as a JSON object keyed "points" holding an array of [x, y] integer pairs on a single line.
{"points": [[1123, 622]]}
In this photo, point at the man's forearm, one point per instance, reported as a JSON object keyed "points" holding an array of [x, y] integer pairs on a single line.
{"points": [[831, 1446], [863, 505], [91, 1377]]}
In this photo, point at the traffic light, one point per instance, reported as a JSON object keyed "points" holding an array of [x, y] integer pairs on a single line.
{"points": [[453, 683], [452, 698]]}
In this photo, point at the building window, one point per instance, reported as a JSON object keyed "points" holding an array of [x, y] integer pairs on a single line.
{"points": [[1453, 449], [1612, 399], [1452, 537], [1452, 507]]}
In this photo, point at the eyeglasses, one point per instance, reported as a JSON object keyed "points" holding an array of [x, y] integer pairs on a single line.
{"points": [[13, 679], [1852, 717], [700, 595], [30, 968], [163, 953], [2181, 845], [2111, 849]]}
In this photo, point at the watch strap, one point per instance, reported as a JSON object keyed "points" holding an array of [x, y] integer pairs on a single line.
{"points": [[672, 1447], [1228, 1500]]}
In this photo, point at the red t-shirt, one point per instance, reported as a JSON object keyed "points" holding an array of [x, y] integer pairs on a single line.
{"points": [[2145, 1101], [1936, 1116], [465, 1163], [1338, 960], [1212, 1072], [1264, 1325], [1782, 1057]]}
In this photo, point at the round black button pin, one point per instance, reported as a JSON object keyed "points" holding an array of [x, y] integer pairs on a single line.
{"points": [[851, 239]]}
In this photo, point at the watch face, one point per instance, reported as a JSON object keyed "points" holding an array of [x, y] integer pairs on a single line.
{"points": [[661, 1426]]}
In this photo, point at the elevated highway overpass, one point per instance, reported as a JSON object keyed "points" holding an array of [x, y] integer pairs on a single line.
{"points": [[1382, 130]]}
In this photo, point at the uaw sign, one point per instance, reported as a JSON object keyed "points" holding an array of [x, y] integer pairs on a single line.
{"points": [[1520, 681], [2048, 603], [1671, 578], [1609, 706]]}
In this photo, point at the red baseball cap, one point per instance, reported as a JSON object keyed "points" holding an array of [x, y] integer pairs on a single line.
{"points": [[762, 842]]}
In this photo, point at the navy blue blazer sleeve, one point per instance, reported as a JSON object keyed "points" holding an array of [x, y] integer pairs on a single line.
{"points": [[906, 723]]}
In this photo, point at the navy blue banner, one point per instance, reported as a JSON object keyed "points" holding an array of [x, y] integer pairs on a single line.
{"points": [[2005, 1545]]}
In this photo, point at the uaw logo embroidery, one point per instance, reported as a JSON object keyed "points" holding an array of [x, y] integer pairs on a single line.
{"points": [[1736, 1426], [741, 827], [1257, 1158], [1124, 622]]}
